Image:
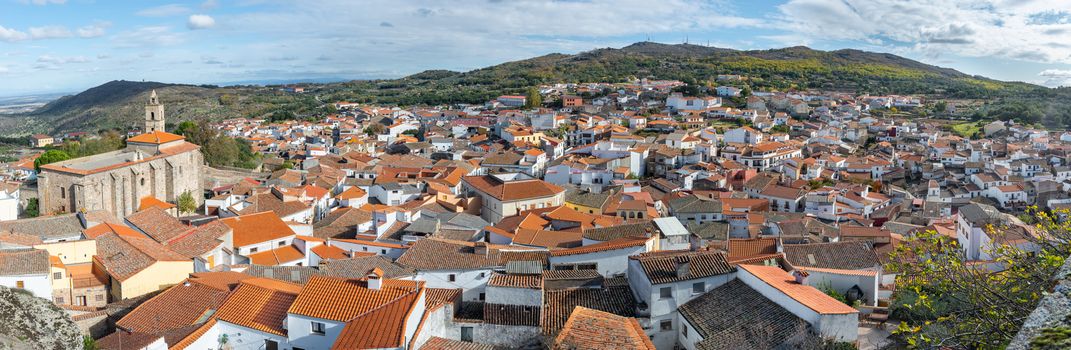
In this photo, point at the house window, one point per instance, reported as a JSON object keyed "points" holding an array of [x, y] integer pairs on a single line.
{"points": [[483, 296], [466, 334], [452, 277], [252, 250], [271, 345], [318, 328], [684, 330], [100, 297], [665, 293], [383, 251], [666, 325], [587, 267], [282, 243], [59, 300], [699, 287], [57, 275]]}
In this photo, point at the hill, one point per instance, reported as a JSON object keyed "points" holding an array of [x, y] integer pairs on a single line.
{"points": [[118, 104], [34, 323]]}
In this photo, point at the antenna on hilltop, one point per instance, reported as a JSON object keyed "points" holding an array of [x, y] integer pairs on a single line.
{"points": [[685, 39]]}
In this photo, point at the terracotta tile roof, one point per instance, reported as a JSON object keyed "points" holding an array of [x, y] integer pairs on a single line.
{"points": [[124, 256], [600, 330], [277, 256], [107, 227], [804, 294], [515, 281], [179, 306], [194, 336], [358, 267], [438, 297], [866, 273], [558, 305], [256, 228], [436, 343], [158, 224], [848, 255], [381, 327], [260, 304], [511, 315], [155, 137], [342, 299], [262, 202], [341, 223], [673, 266], [352, 193], [19, 238], [201, 239], [645, 229], [169, 151], [441, 254], [620, 243], [512, 190], [153, 202], [327, 252], [549, 239], [24, 262], [751, 247], [735, 316], [223, 280]]}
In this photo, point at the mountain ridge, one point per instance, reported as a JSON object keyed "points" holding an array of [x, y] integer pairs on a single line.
{"points": [[118, 104]]}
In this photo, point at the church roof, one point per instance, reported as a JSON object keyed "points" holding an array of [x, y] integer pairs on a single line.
{"points": [[156, 137]]}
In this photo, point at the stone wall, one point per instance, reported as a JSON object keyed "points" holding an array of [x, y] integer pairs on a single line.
{"points": [[1053, 311]]}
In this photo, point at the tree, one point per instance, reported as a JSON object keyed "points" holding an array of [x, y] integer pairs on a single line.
{"points": [[287, 164], [89, 344], [33, 208], [50, 156], [186, 203], [945, 301], [534, 99]]}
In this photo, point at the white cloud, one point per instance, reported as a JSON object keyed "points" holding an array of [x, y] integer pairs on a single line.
{"points": [[1056, 77], [143, 37], [61, 60], [4, 70], [49, 32], [94, 30], [12, 35], [1034, 31], [209, 4], [200, 22], [164, 11]]}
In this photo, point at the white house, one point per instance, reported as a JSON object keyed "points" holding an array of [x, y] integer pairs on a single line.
{"points": [[26, 269], [665, 280]]}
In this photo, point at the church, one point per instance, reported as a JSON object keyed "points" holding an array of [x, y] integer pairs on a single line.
{"points": [[155, 165]]}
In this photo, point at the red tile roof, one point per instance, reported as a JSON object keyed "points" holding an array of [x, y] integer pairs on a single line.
{"points": [[179, 306], [804, 294], [155, 137], [598, 330], [257, 228], [513, 190], [277, 256], [260, 304], [343, 299]]}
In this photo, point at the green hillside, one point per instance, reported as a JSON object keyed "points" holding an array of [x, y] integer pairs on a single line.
{"points": [[118, 104]]}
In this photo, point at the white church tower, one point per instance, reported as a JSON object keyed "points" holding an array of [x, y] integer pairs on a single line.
{"points": [[154, 114]]}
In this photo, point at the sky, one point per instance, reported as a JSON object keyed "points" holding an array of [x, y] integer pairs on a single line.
{"points": [[49, 46]]}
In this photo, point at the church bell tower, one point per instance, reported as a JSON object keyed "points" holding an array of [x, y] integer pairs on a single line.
{"points": [[154, 114]]}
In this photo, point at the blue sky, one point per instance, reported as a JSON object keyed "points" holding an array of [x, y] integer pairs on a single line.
{"points": [[71, 45]]}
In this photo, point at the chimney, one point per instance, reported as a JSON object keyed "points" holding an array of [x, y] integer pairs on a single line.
{"points": [[375, 279], [683, 267], [480, 248], [801, 276]]}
